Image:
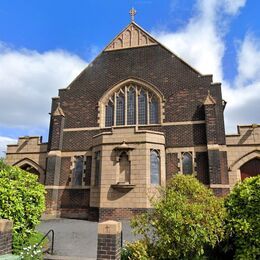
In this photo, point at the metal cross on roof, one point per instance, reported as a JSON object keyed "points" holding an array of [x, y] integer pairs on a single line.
{"points": [[132, 12]]}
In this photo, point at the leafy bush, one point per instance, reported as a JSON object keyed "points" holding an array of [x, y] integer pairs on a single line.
{"points": [[21, 200], [186, 219], [135, 250], [243, 208]]}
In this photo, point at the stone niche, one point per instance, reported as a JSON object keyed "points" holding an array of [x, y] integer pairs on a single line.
{"points": [[125, 167]]}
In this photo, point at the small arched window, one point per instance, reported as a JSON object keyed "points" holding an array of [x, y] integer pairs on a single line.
{"points": [[109, 114], [155, 167], [153, 113], [120, 109], [142, 108], [187, 163], [77, 173], [97, 167]]}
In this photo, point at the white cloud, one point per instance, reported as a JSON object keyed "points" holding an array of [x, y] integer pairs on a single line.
{"points": [[28, 81], [4, 141], [202, 44], [244, 97]]}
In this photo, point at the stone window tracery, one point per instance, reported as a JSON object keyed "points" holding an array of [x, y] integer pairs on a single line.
{"points": [[132, 104]]}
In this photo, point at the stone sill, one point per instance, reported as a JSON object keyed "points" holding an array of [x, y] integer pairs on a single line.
{"points": [[122, 186]]}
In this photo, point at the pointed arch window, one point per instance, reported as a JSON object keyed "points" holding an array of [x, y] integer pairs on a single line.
{"points": [[131, 105], [187, 163], [77, 174], [155, 167], [109, 113], [120, 109], [142, 108], [153, 113]]}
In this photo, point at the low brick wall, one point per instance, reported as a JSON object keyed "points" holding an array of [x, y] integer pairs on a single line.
{"points": [[6, 229]]}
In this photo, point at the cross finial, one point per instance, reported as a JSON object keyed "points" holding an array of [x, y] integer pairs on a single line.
{"points": [[132, 12]]}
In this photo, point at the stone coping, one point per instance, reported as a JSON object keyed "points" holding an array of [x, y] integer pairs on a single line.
{"points": [[6, 225]]}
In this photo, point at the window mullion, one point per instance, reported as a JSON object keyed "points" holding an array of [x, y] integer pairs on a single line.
{"points": [[125, 123], [114, 109], [147, 108], [136, 105]]}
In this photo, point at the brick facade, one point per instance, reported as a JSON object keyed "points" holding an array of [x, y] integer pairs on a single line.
{"points": [[191, 121]]}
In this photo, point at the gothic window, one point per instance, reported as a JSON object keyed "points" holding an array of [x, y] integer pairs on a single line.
{"points": [[97, 167], [77, 173], [142, 108], [110, 114], [187, 163], [131, 107], [153, 111], [155, 167], [120, 109]]}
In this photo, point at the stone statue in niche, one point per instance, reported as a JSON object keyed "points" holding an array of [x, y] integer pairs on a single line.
{"points": [[124, 168], [77, 172]]}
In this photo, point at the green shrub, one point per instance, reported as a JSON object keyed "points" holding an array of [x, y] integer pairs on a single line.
{"points": [[243, 221], [186, 219], [135, 250], [22, 199]]}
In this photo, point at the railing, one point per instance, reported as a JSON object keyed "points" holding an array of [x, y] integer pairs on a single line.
{"points": [[52, 240]]}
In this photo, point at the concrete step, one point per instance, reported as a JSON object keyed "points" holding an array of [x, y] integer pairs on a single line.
{"points": [[59, 257]]}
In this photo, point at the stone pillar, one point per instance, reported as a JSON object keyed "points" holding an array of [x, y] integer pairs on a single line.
{"points": [[6, 229], [53, 166], [109, 240]]}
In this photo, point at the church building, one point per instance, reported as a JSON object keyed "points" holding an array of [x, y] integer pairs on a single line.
{"points": [[134, 117]]}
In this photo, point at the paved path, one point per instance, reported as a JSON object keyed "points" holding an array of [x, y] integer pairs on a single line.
{"points": [[77, 237]]}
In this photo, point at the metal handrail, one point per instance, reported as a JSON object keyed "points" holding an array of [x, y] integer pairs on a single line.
{"points": [[52, 240]]}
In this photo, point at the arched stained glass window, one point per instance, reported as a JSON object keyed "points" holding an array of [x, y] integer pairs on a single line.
{"points": [[142, 108], [131, 107], [187, 164], [155, 167], [120, 109], [109, 114], [153, 113], [77, 173]]}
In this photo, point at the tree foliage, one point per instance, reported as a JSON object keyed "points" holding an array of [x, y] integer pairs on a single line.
{"points": [[243, 221], [22, 199], [186, 219]]}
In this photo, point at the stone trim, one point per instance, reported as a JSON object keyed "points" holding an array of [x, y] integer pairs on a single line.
{"points": [[198, 122], [56, 187], [219, 186], [132, 36], [81, 129], [194, 149]]}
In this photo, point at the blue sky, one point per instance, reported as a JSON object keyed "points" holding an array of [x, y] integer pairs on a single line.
{"points": [[45, 44]]}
